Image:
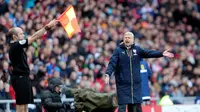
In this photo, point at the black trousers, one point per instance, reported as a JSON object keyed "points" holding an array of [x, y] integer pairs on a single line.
{"points": [[131, 108]]}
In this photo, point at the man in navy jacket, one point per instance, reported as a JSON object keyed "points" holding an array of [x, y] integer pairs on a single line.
{"points": [[146, 73], [125, 62]]}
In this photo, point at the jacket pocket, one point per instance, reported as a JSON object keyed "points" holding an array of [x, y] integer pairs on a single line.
{"points": [[137, 78], [119, 78], [126, 76]]}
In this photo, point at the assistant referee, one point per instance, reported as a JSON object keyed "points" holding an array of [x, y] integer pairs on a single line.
{"points": [[20, 73]]}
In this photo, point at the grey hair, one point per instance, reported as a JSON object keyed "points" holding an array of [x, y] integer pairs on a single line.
{"points": [[13, 31], [129, 33]]}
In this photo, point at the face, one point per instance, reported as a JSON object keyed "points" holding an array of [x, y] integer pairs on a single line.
{"points": [[57, 89], [5, 66], [20, 34], [53, 61], [128, 40]]}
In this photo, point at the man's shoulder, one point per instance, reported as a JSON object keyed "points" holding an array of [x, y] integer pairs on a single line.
{"points": [[118, 48], [13, 44], [137, 47], [13, 47], [46, 93], [16, 44]]}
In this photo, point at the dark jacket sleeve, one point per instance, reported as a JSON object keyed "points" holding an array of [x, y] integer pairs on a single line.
{"points": [[145, 53], [149, 71], [47, 101], [113, 62]]}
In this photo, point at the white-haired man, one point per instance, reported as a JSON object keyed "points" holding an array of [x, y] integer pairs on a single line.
{"points": [[125, 62]]}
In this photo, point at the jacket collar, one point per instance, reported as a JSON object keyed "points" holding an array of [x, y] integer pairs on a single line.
{"points": [[124, 47]]}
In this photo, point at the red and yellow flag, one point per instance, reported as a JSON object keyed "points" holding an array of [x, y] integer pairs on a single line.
{"points": [[69, 21]]}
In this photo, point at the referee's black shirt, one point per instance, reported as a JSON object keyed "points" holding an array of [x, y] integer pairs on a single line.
{"points": [[18, 58]]}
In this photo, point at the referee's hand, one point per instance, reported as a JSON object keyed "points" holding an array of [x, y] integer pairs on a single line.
{"points": [[52, 23]]}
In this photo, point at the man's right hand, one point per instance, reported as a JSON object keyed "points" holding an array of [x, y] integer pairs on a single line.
{"points": [[107, 78], [51, 24]]}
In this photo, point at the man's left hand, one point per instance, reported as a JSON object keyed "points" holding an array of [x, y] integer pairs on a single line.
{"points": [[168, 54]]}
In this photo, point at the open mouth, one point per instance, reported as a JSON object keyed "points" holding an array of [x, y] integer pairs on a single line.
{"points": [[126, 42]]}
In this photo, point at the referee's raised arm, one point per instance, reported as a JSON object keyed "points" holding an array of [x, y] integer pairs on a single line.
{"points": [[39, 33]]}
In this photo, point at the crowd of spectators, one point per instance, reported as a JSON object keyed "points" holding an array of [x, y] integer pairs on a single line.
{"points": [[82, 60]]}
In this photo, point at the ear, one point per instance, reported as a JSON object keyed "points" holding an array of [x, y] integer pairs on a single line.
{"points": [[14, 37]]}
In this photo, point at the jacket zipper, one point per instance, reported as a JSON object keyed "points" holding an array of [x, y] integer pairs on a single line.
{"points": [[131, 78], [130, 57]]}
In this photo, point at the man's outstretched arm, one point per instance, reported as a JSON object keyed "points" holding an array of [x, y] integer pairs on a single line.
{"points": [[40, 32], [155, 54]]}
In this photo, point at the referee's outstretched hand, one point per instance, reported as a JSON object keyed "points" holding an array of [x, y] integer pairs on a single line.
{"points": [[52, 23]]}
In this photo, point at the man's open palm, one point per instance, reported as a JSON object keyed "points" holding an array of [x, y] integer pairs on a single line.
{"points": [[168, 54]]}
